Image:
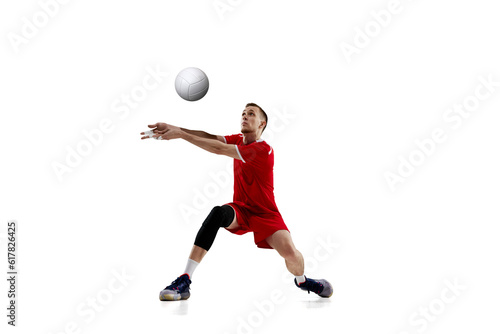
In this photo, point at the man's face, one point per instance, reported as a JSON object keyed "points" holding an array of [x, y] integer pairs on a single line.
{"points": [[251, 120]]}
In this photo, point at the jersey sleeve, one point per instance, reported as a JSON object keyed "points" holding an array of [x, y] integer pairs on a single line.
{"points": [[255, 154], [231, 139]]}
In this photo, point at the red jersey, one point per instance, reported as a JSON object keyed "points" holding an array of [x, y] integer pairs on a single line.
{"points": [[253, 175]]}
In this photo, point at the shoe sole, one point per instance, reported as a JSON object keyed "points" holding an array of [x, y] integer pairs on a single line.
{"points": [[171, 297]]}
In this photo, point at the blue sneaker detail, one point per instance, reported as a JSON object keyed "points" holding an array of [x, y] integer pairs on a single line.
{"points": [[321, 287], [178, 290]]}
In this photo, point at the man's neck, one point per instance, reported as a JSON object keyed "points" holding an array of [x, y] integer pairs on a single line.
{"points": [[249, 138]]}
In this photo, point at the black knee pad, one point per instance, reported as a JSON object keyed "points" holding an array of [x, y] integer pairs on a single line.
{"points": [[220, 216]]}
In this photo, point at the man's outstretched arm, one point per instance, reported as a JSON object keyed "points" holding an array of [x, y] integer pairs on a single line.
{"points": [[162, 128], [211, 143], [204, 134]]}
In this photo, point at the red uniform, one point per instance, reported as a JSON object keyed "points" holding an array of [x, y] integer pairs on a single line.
{"points": [[253, 199]]}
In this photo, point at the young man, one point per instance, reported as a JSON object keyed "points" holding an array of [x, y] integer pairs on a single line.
{"points": [[253, 208]]}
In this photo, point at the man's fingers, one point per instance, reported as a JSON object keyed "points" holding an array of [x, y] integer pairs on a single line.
{"points": [[153, 134], [157, 138], [148, 134], [153, 125]]}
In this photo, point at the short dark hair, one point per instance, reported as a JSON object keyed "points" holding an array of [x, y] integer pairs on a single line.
{"points": [[251, 104]]}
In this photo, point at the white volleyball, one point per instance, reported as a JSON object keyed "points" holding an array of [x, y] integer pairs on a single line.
{"points": [[191, 84]]}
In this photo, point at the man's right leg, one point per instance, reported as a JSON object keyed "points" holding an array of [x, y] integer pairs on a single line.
{"points": [[197, 253], [220, 216]]}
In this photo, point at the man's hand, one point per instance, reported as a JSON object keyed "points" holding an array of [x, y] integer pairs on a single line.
{"points": [[169, 134], [158, 130]]}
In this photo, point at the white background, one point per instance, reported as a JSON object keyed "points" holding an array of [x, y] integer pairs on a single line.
{"points": [[120, 209]]}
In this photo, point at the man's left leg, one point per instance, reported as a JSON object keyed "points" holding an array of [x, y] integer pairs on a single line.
{"points": [[282, 242]]}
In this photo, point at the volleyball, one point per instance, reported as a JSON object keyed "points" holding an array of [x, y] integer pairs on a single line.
{"points": [[191, 84]]}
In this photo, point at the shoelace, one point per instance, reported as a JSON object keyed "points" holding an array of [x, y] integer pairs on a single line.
{"points": [[313, 286], [179, 284]]}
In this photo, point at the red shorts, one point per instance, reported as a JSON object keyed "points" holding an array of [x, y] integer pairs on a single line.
{"points": [[263, 225]]}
